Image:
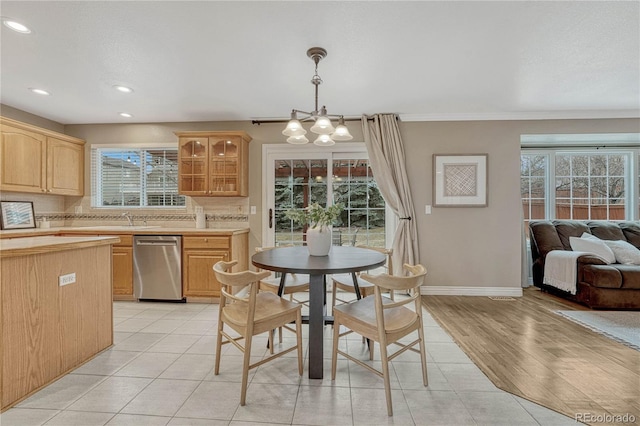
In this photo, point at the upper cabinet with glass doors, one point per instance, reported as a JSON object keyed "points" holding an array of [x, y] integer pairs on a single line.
{"points": [[213, 164]]}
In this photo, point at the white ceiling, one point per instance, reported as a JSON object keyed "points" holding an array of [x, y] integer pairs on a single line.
{"points": [[211, 60]]}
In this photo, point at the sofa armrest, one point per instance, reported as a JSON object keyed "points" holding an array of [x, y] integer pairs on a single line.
{"points": [[588, 259]]}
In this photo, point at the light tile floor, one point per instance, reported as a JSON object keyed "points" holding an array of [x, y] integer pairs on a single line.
{"points": [[159, 372]]}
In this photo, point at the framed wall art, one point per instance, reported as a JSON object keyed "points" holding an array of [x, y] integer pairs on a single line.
{"points": [[17, 215], [460, 180]]}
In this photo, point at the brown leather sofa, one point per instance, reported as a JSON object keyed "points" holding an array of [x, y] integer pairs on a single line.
{"points": [[599, 286]]}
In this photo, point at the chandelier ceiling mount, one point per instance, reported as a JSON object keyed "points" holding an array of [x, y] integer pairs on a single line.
{"points": [[327, 134]]}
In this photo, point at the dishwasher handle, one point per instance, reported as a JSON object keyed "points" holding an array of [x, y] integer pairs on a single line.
{"points": [[156, 243]]}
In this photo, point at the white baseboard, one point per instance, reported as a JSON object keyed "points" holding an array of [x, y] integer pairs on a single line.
{"points": [[470, 291]]}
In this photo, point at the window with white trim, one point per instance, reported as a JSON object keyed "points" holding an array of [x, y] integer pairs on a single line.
{"points": [[580, 183], [135, 177]]}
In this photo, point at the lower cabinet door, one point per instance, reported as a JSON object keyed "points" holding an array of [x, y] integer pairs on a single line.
{"points": [[198, 279], [123, 271]]}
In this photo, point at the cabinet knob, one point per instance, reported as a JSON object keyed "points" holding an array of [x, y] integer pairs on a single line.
{"points": [[206, 240]]}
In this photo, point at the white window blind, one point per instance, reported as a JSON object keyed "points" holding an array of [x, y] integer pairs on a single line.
{"points": [[133, 177]]}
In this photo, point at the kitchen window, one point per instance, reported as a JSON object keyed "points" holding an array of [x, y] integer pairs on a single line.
{"points": [[135, 177]]}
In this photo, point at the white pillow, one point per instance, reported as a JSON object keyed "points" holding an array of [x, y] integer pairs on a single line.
{"points": [[588, 235], [625, 252], [594, 246]]}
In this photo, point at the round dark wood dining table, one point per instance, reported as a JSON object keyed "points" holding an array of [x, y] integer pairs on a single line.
{"points": [[341, 259]]}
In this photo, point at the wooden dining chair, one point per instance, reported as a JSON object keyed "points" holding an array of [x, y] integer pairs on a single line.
{"points": [[385, 321], [294, 283], [250, 313], [344, 282]]}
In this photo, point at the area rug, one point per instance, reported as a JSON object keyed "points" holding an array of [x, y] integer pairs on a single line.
{"points": [[622, 326]]}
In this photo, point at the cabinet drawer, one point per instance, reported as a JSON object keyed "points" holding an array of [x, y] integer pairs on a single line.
{"points": [[205, 242]]}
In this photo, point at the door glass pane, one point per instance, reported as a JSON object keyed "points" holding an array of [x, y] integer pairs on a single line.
{"points": [[299, 183], [363, 220]]}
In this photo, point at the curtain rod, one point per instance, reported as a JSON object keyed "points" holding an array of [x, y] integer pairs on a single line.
{"points": [[286, 120]]}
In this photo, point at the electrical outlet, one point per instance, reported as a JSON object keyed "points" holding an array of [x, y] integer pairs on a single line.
{"points": [[427, 209], [253, 209], [199, 209], [67, 279]]}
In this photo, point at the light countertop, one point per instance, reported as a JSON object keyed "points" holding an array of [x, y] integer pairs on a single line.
{"points": [[12, 247], [119, 230]]}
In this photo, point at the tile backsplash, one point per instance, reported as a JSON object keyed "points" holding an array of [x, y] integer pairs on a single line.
{"points": [[41, 203], [77, 211]]}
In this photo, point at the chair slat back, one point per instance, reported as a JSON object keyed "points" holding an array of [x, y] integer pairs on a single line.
{"points": [[241, 279], [386, 251], [261, 249], [404, 283]]}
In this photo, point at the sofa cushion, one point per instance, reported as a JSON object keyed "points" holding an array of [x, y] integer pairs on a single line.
{"points": [[603, 276], [625, 253], [631, 231], [569, 228], [606, 230], [593, 245], [544, 239], [630, 276]]}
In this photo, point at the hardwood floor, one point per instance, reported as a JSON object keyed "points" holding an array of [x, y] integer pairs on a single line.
{"points": [[528, 350]]}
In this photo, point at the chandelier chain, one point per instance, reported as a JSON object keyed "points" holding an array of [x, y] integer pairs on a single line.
{"points": [[323, 126]]}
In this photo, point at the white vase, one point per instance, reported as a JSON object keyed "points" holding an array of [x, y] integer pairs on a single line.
{"points": [[319, 240]]}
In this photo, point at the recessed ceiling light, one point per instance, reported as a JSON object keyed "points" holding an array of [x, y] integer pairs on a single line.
{"points": [[16, 26], [126, 114], [123, 89], [39, 91]]}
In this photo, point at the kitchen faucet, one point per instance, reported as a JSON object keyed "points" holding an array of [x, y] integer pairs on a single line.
{"points": [[128, 216]]}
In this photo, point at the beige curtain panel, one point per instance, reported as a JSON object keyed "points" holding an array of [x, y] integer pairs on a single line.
{"points": [[386, 155]]}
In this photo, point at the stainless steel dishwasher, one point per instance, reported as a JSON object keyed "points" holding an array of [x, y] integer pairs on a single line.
{"points": [[157, 267]]}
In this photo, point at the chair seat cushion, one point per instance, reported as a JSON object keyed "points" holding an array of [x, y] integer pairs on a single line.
{"points": [[347, 280], [363, 313], [292, 283], [268, 306]]}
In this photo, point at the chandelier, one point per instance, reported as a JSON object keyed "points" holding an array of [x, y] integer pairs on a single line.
{"points": [[327, 134]]}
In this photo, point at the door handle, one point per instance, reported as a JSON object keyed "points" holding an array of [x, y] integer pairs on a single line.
{"points": [[270, 218]]}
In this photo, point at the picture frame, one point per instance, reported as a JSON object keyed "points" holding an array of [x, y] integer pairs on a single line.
{"points": [[17, 215], [460, 180]]}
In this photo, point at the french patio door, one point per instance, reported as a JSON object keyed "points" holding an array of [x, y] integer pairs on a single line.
{"points": [[297, 176]]}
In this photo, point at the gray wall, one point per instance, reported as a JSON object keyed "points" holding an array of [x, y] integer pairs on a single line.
{"points": [[25, 117], [469, 247]]}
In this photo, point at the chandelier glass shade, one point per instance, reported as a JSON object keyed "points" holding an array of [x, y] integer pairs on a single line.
{"points": [[322, 126]]}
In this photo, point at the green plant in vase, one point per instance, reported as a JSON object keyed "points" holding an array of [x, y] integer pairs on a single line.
{"points": [[315, 215], [319, 219]]}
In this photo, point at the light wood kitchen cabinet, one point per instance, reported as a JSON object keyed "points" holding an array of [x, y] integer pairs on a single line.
{"points": [[123, 268], [121, 261], [65, 167], [200, 253], [213, 164], [46, 329], [39, 160]]}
